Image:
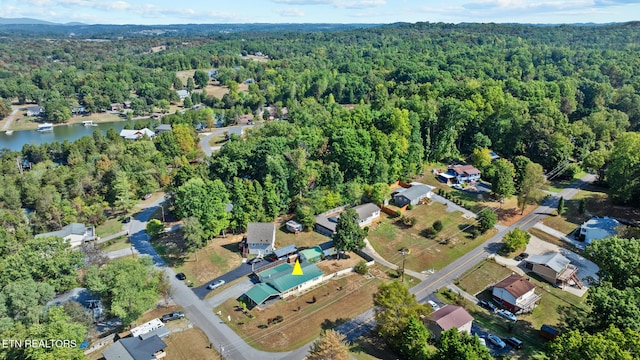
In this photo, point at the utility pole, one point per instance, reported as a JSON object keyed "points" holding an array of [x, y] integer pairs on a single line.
{"points": [[404, 254], [221, 351]]}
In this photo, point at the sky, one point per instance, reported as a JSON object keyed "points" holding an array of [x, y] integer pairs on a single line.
{"points": [[150, 12]]}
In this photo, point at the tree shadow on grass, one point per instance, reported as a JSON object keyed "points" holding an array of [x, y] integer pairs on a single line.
{"points": [[329, 324]]}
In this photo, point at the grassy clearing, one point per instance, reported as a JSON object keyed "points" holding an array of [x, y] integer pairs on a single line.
{"points": [[388, 237], [336, 301], [111, 226], [189, 344], [487, 272], [597, 203], [559, 185], [371, 347], [303, 239], [119, 243]]}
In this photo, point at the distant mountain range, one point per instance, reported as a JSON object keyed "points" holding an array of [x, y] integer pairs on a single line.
{"points": [[30, 21]]}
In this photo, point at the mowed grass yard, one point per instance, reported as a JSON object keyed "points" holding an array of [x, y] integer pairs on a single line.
{"points": [[554, 308], [337, 301], [388, 237], [598, 203]]}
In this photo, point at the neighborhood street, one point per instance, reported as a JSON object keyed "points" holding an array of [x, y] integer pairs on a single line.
{"points": [[234, 347], [204, 141]]}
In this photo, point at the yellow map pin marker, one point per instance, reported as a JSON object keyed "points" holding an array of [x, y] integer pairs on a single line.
{"points": [[297, 270]]}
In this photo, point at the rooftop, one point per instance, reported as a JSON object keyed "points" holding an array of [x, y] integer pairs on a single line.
{"points": [[516, 285], [465, 169], [555, 261], [451, 316], [415, 191], [134, 348], [263, 233], [71, 229], [366, 210], [136, 134], [605, 223], [285, 280], [261, 292], [311, 253], [285, 250]]}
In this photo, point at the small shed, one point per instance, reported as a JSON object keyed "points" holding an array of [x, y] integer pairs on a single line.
{"points": [[285, 251], [548, 332], [312, 255], [293, 226]]}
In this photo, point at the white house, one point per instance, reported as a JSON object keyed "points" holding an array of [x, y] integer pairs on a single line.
{"points": [[597, 228], [447, 318], [413, 195], [464, 173], [183, 94], [261, 238], [327, 221], [35, 110], [76, 234], [516, 294], [136, 134]]}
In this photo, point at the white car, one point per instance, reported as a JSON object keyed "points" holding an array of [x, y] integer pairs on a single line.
{"points": [[216, 284], [483, 342], [433, 305]]}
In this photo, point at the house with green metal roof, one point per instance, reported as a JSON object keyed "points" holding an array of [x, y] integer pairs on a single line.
{"points": [[280, 282]]}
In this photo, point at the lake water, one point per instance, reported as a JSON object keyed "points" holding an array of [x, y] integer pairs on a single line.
{"points": [[60, 133]]}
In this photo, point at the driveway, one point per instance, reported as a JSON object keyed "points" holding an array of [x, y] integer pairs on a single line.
{"points": [[243, 270], [204, 141]]}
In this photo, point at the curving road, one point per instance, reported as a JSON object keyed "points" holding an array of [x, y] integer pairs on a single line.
{"points": [[9, 120], [198, 311], [204, 141]]}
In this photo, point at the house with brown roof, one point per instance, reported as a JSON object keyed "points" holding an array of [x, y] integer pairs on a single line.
{"points": [[447, 318], [516, 294]]}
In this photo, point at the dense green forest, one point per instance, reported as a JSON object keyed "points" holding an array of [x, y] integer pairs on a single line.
{"points": [[557, 96]]}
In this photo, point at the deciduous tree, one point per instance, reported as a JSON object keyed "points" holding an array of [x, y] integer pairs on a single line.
{"points": [[348, 236], [515, 239], [330, 346], [454, 344]]}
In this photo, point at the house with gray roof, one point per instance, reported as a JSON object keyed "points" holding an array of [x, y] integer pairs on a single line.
{"points": [[163, 128], [413, 195], [35, 111], [136, 348], [183, 94], [261, 238], [598, 228], [554, 268], [327, 221], [75, 233]]}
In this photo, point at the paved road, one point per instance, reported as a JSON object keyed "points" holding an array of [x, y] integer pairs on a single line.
{"points": [[198, 311], [204, 141], [243, 270], [454, 270]]}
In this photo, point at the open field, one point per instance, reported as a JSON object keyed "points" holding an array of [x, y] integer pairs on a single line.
{"points": [[301, 240], [111, 226], [559, 185], [336, 301], [388, 237]]}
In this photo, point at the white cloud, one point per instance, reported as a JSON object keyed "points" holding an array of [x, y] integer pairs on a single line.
{"points": [[290, 12], [341, 4]]}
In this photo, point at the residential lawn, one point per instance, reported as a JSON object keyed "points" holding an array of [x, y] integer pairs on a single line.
{"points": [[598, 203], [388, 237], [301, 240], [371, 347], [189, 344], [487, 272], [215, 259], [119, 243], [559, 185], [111, 226], [337, 301], [554, 308]]}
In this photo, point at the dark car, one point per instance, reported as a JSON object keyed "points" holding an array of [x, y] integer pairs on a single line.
{"points": [[521, 257], [514, 342], [181, 276], [173, 316], [488, 305]]}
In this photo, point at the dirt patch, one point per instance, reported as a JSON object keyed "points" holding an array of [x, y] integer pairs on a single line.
{"points": [[335, 302], [509, 216], [332, 266], [262, 58]]}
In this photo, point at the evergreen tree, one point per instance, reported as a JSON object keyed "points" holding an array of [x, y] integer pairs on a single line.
{"points": [[330, 346], [561, 208]]}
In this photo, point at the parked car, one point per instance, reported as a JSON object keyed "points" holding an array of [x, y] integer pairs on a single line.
{"points": [[514, 342], [488, 305], [506, 314], [458, 187], [483, 342], [496, 341], [433, 305], [521, 257], [173, 316], [181, 276], [255, 261], [216, 284]]}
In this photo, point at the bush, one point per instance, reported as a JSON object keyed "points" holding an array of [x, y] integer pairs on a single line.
{"points": [[409, 207], [437, 226], [429, 233], [398, 213], [361, 267]]}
